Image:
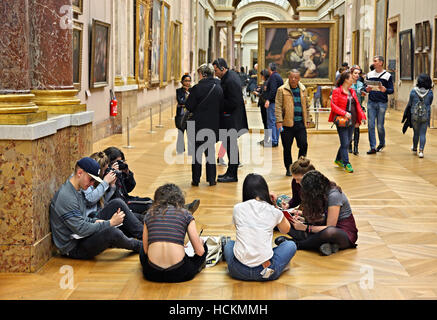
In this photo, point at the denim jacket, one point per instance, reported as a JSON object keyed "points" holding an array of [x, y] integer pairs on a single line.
{"points": [[428, 97]]}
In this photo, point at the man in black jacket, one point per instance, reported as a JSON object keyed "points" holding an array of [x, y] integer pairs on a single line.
{"points": [[233, 117]]}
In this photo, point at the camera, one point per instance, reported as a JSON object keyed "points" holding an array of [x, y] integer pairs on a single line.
{"points": [[122, 165], [118, 174]]}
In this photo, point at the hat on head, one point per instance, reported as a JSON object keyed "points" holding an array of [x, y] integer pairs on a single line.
{"points": [[91, 167]]}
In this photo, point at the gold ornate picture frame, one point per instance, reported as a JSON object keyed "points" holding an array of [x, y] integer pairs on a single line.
{"points": [[77, 6], [155, 49], [175, 49], [434, 73], [142, 43], [77, 54], [165, 42], [100, 49], [310, 47], [418, 41]]}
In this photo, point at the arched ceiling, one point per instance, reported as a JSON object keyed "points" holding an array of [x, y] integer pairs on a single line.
{"points": [[293, 3]]}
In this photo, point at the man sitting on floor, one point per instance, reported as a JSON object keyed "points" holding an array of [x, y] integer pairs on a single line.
{"points": [[80, 237]]}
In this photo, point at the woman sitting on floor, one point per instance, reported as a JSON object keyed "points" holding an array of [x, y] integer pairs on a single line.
{"points": [[251, 256], [163, 256], [326, 209]]}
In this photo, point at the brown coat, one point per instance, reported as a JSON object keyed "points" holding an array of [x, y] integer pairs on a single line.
{"points": [[284, 107]]}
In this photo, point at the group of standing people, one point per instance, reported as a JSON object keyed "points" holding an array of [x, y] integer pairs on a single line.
{"points": [[218, 113]]}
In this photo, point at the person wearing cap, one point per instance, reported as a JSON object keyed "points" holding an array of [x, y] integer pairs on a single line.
{"points": [[80, 237]]}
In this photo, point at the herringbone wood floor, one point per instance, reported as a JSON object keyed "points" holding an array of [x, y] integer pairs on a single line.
{"points": [[393, 196]]}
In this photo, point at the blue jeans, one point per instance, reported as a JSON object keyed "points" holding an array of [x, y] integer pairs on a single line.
{"points": [[271, 124], [345, 135], [376, 112], [419, 129], [282, 255]]}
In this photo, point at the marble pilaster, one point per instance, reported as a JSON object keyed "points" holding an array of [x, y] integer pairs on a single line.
{"points": [[51, 48]]}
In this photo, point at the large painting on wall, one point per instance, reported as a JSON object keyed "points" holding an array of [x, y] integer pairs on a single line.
{"points": [[156, 43], [435, 50], [77, 54], [310, 47], [380, 27], [175, 47], [100, 45], [406, 48], [141, 51], [165, 42]]}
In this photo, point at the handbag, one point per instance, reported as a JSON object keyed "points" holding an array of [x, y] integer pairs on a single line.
{"points": [[188, 115], [343, 121]]}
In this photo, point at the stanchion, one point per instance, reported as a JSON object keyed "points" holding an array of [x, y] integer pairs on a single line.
{"points": [[159, 125], [151, 123], [128, 135]]}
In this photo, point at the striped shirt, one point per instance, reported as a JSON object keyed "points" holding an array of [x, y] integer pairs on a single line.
{"points": [[170, 226], [297, 104]]}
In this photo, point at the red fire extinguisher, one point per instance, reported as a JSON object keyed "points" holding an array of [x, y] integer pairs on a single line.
{"points": [[113, 111]]}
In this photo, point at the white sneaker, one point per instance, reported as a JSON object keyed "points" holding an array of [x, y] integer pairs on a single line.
{"points": [[420, 154]]}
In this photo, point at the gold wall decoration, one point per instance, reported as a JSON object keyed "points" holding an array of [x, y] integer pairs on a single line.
{"points": [[100, 46], [165, 42], [176, 51], [77, 54], [155, 48], [142, 43], [310, 47]]}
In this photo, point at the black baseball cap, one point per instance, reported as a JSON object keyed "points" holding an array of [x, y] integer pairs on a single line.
{"points": [[91, 167]]}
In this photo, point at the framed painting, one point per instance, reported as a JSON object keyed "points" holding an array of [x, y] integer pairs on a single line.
{"points": [[142, 41], [380, 28], [100, 44], [77, 6], [155, 52], [426, 36], [425, 63], [419, 38], [309, 47], [406, 48], [201, 57], [77, 54], [176, 45], [165, 43]]}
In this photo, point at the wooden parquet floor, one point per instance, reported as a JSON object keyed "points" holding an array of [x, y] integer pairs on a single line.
{"points": [[393, 196]]}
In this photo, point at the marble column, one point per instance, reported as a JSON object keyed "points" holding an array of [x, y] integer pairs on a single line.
{"points": [[51, 49], [239, 55], [16, 102]]}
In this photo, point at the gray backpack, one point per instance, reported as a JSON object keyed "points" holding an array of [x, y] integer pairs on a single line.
{"points": [[418, 112]]}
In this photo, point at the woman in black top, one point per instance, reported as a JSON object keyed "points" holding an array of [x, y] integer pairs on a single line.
{"points": [[182, 96], [206, 103]]}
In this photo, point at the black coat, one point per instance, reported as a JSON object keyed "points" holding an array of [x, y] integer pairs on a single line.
{"points": [[180, 96], [233, 103], [207, 114], [407, 119]]}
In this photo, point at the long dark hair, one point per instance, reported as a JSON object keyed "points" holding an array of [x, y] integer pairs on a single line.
{"points": [[424, 81], [113, 153], [314, 194], [256, 186], [167, 195]]}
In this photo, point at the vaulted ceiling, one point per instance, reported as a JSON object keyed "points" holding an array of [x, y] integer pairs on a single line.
{"points": [[294, 3]]}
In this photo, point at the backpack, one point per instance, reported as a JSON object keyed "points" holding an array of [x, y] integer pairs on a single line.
{"points": [[418, 112]]}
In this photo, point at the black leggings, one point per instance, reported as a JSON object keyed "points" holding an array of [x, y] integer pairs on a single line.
{"points": [[180, 272], [312, 241]]}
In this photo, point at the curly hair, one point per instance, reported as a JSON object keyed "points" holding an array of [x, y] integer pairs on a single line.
{"points": [[314, 193], [167, 195]]}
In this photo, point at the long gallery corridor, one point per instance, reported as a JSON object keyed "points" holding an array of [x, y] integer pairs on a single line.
{"points": [[393, 198]]}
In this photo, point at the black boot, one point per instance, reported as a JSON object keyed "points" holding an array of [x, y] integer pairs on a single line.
{"points": [[356, 140], [350, 147]]}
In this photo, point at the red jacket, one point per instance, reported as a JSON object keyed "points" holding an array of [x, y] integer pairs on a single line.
{"points": [[339, 105]]}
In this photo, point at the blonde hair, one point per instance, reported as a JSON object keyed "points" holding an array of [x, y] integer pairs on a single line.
{"points": [[302, 166]]}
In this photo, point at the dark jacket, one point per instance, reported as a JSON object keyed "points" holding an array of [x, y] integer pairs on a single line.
{"points": [[427, 97], [275, 81], [234, 111], [181, 99], [386, 81], [206, 115]]}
